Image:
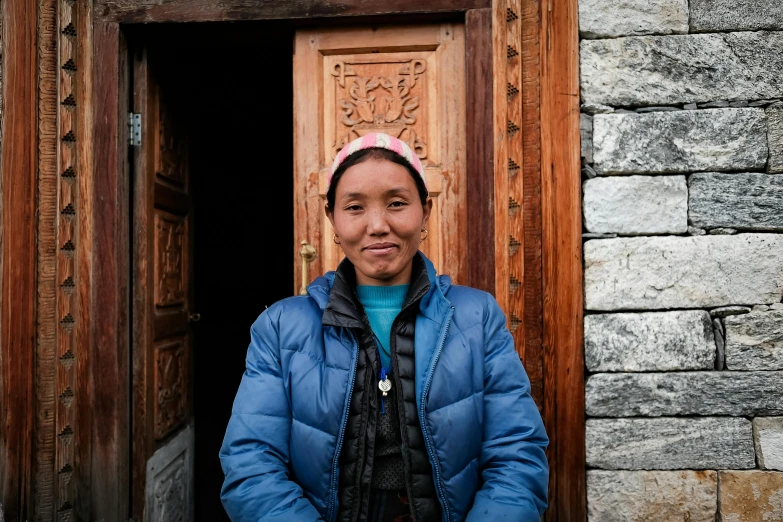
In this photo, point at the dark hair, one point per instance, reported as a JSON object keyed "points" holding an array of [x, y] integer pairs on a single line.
{"points": [[378, 154]]}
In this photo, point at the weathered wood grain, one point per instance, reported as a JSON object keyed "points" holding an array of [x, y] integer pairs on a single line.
{"points": [[109, 334], [17, 235], [132, 11], [480, 197], [84, 259], [527, 190], [142, 279], [562, 257], [46, 448]]}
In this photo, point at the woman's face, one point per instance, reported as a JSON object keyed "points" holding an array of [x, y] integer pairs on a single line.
{"points": [[378, 219]]}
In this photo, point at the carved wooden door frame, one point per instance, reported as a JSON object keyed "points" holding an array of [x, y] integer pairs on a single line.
{"points": [[64, 219]]}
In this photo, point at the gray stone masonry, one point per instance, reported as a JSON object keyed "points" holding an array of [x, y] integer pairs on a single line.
{"points": [[750, 496], [755, 341], [648, 273], [666, 70], [637, 205], [683, 141], [684, 393], [735, 15], [642, 496], [670, 443], [740, 201], [775, 137], [768, 437], [602, 19], [654, 341]]}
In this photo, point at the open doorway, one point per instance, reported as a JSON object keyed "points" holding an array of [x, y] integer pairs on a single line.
{"points": [[242, 169], [230, 87]]}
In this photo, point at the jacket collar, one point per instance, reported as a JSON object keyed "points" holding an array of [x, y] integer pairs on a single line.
{"points": [[335, 293]]}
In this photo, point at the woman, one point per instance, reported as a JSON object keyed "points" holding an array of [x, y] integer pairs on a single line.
{"points": [[386, 393]]}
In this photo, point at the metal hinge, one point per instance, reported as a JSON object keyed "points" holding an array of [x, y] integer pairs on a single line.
{"points": [[134, 129]]}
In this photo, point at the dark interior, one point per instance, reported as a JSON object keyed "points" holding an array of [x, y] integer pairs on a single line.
{"points": [[236, 82]]}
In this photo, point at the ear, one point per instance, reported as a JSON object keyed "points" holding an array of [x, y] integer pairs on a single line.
{"points": [[329, 214], [427, 212]]}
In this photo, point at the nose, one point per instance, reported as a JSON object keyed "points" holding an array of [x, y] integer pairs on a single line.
{"points": [[377, 225]]}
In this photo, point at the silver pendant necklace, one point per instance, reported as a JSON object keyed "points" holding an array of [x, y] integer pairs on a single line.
{"points": [[384, 384]]}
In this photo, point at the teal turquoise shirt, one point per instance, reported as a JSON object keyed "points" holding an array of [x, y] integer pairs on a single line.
{"points": [[382, 305]]}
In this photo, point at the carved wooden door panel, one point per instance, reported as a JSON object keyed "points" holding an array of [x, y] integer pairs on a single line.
{"points": [[162, 445], [407, 81]]}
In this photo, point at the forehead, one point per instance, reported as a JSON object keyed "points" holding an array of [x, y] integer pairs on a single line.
{"points": [[375, 176]]}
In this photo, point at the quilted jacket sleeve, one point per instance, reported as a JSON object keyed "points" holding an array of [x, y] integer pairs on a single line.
{"points": [[255, 456], [513, 464]]}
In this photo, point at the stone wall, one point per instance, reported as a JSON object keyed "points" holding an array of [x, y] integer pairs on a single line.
{"points": [[682, 156]]}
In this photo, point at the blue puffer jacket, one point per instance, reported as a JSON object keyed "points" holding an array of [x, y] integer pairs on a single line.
{"points": [[484, 434]]}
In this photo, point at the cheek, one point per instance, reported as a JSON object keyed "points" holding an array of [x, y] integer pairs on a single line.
{"points": [[409, 225], [344, 226]]}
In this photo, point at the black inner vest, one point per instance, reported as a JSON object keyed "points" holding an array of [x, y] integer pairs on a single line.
{"points": [[376, 446]]}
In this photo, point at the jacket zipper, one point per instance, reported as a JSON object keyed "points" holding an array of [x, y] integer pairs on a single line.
{"points": [[427, 437], [332, 513]]}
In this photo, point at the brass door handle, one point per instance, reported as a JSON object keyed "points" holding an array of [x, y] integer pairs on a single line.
{"points": [[308, 255]]}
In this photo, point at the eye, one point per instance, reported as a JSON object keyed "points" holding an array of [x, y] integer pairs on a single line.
{"points": [[397, 204], [353, 208]]}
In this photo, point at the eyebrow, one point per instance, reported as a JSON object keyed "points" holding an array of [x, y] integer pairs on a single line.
{"points": [[391, 192]]}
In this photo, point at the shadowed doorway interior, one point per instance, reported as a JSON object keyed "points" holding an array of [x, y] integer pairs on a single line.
{"points": [[232, 86], [242, 167]]}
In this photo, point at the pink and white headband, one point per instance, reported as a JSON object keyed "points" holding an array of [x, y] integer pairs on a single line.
{"points": [[378, 140]]}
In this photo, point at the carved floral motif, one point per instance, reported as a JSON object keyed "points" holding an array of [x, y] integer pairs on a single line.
{"points": [[380, 97], [171, 387], [169, 259], [170, 492], [172, 146]]}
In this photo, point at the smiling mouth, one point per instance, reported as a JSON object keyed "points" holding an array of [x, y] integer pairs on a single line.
{"points": [[380, 247]]}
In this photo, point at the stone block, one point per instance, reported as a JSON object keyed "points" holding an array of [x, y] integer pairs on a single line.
{"points": [[670, 443], [642, 496], [636, 205], [684, 393], [735, 15], [750, 496], [683, 141], [754, 341], [683, 272], [741, 201], [668, 70], [775, 137], [602, 19], [768, 437], [652, 341]]}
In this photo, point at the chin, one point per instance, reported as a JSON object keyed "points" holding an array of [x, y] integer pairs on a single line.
{"points": [[384, 273]]}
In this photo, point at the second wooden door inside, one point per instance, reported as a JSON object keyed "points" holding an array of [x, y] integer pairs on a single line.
{"points": [[161, 439]]}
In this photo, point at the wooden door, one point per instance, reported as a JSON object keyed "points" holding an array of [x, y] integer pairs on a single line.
{"points": [[407, 81], [162, 445]]}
